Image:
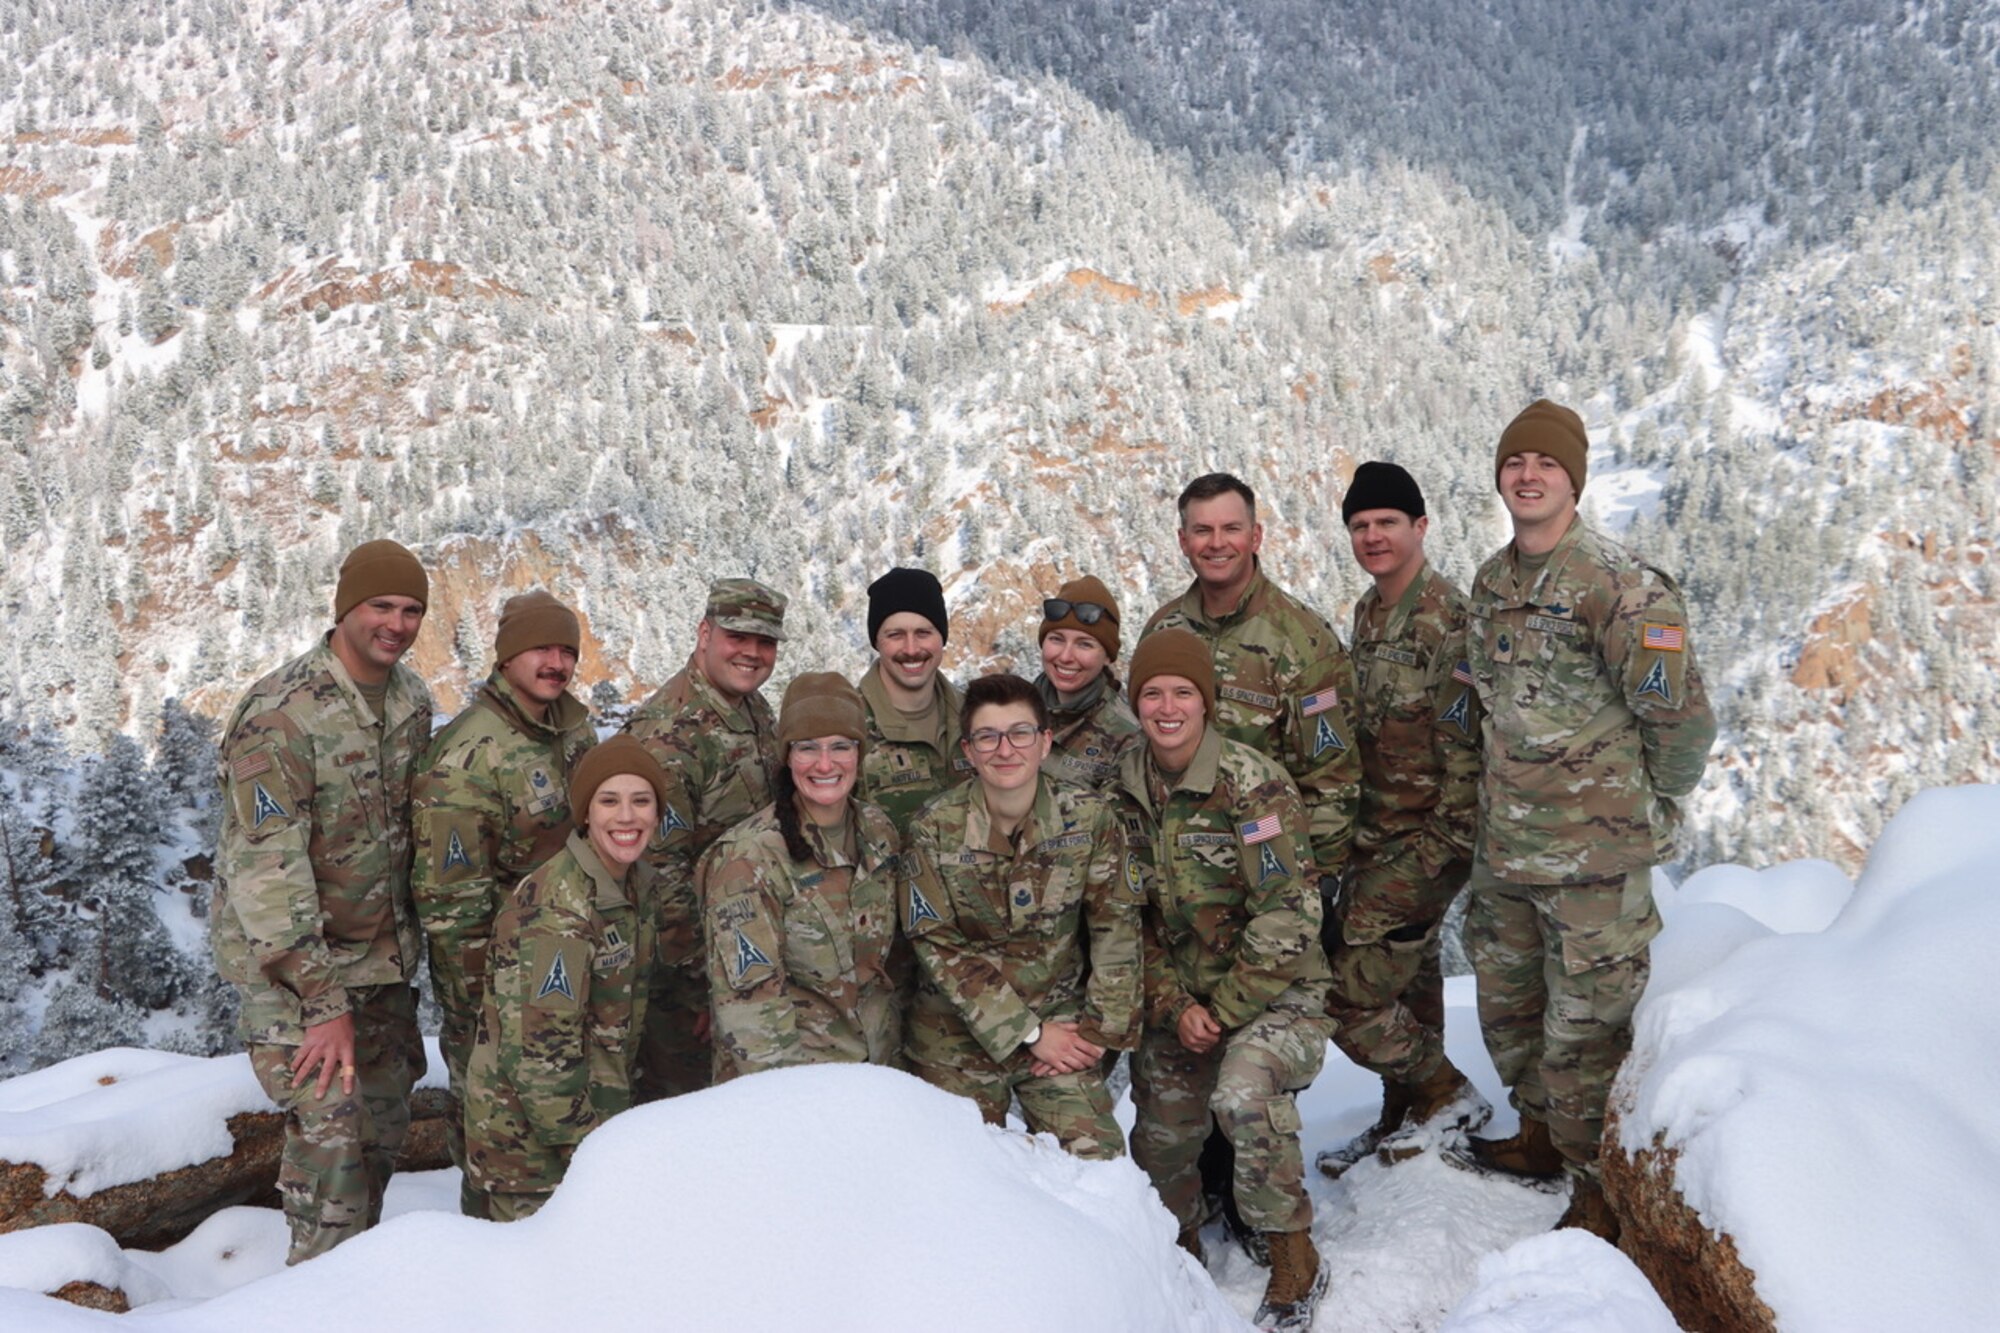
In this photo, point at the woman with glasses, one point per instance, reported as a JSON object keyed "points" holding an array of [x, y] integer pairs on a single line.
{"points": [[1090, 722], [801, 906], [1023, 908]]}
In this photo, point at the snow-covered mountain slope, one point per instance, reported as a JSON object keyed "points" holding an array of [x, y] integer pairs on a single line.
{"points": [[622, 298]]}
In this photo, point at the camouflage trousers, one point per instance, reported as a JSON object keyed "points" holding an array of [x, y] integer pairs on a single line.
{"points": [[456, 1031], [1561, 968], [340, 1149], [672, 1060], [1383, 942], [507, 1206], [1076, 1108], [1247, 1083]]}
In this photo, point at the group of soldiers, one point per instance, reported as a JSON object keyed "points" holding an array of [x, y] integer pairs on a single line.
{"points": [[1243, 852]]}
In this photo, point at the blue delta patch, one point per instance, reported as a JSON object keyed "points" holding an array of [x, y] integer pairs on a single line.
{"points": [[1460, 713], [1326, 738], [1022, 898], [748, 955], [265, 806], [1268, 863], [454, 856], [920, 907], [1655, 683], [556, 982], [672, 820]]}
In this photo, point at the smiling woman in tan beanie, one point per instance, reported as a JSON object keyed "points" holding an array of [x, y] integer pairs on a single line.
{"points": [[800, 901], [567, 968], [1238, 998], [1091, 722]]}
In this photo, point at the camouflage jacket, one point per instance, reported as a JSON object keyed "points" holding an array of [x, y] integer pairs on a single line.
{"points": [[312, 889], [798, 951], [1285, 687], [1090, 734], [718, 762], [1013, 932], [903, 766], [1597, 721], [491, 804], [1233, 911], [559, 1028], [1419, 722]]}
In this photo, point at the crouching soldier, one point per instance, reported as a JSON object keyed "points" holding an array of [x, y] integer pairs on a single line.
{"points": [[1026, 928], [801, 903], [565, 1001], [1236, 980]]}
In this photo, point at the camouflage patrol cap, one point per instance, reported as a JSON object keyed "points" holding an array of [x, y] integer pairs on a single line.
{"points": [[747, 607]]}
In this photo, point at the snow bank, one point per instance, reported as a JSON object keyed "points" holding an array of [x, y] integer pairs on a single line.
{"points": [[1560, 1282], [47, 1258], [829, 1198], [1831, 1093], [95, 1121]]}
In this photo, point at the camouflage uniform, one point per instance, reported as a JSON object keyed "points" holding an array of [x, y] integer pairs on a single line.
{"points": [[1011, 933], [798, 951], [312, 919], [718, 762], [1091, 733], [490, 806], [1233, 922], [559, 1027], [1284, 687], [1419, 725], [1597, 723], [902, 767]]}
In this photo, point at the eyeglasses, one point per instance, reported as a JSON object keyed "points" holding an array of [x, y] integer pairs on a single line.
{"points": [[811, 750], [1087, 613], [987, 739]]}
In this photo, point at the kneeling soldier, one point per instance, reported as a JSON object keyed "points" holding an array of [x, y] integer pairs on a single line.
{"points": [[559, 1030], [1235, 978]]}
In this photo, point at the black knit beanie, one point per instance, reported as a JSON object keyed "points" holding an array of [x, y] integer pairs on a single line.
{"points": [[907, 590], [1381, 486]]}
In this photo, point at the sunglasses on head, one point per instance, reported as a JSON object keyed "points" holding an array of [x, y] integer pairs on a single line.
{"points": [[1087, 613]]}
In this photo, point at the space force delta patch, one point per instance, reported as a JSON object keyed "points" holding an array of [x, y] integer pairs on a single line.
{"points": [[1325, 738], [920, 907], [557, 981], [454, 855], [265, 806], [748, 955]]}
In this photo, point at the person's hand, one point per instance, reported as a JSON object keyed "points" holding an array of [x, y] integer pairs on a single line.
{"points": [[1198, 1029], [704, 1023], [1060, 1051], [328, 1048]]}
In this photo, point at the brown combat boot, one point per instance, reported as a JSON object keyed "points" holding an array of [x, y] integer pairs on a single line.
{"points": [[1527, 1152], [1590, 1211], [1298, 1280], [1334, 1162], [1190, 1240]]}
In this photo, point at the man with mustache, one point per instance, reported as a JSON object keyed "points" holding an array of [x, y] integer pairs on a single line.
{"points": [[312, 920], [491, 806], [713, 732], [913, 751]]}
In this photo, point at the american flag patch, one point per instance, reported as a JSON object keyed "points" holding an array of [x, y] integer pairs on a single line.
{"points": [[1664, 638], [251, 765], [1319, 703], [1462, 673], [1260, 830]]}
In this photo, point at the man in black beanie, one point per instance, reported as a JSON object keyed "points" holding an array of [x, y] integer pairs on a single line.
{"points": [[1418, 722], [912, 752]]}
